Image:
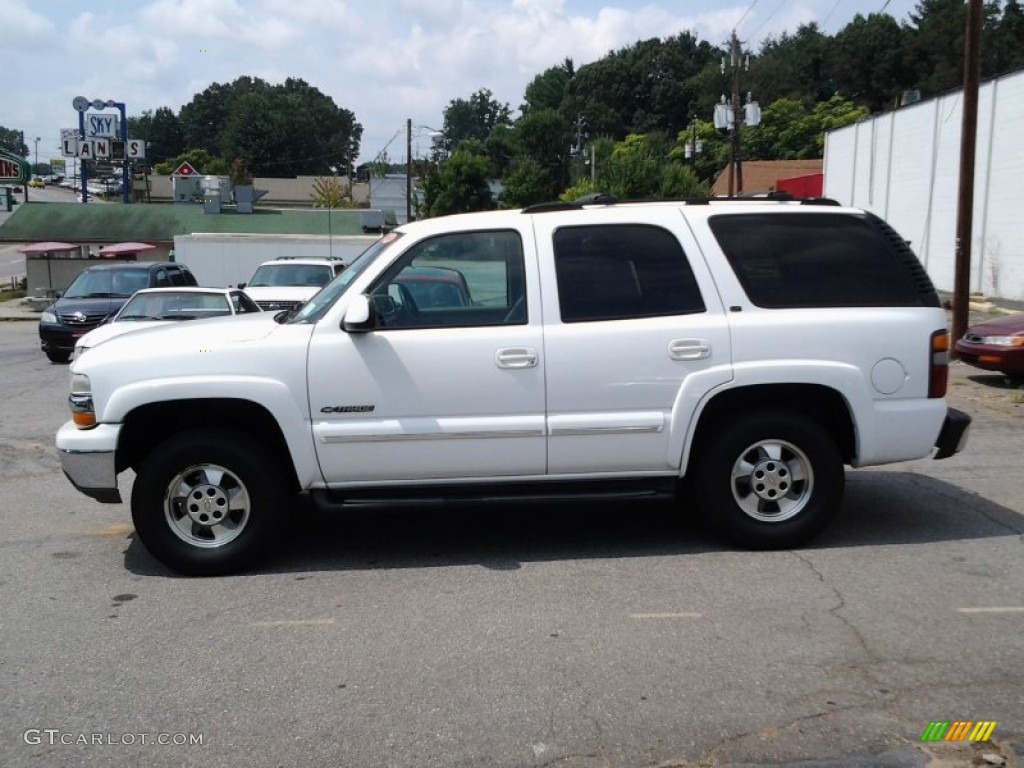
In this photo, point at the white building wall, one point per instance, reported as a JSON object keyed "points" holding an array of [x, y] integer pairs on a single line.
{"points": [[904, 166]]}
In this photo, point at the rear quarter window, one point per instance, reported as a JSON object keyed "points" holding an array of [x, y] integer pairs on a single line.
{"points": [[793, 260]]}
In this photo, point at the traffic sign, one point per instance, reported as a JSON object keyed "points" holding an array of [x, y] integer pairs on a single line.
{"points": [[185, 170]]}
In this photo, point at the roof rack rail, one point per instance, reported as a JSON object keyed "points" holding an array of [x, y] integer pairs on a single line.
{"points": [[603, 199]]}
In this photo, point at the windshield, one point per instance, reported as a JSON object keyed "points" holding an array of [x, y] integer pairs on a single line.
{"points": [[108, 283], [174, 305], [313, 275], [315, 308]]}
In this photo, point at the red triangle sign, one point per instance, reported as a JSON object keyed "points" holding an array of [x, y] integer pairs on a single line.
{"points": [[185, 169]]}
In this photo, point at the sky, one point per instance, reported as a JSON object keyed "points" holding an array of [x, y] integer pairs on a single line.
{"points": [[385, 60]]}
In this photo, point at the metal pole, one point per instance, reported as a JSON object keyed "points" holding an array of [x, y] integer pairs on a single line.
{"points": [[124, 144], [737, 158], [408, 170], [83, 175], [968, 140], [24, 146]]}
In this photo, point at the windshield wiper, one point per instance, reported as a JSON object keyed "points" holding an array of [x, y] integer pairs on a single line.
{"points": [[139, 317]]}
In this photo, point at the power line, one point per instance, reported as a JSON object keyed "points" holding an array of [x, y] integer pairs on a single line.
{"points": [[744, 15], [825, 21], [769, 18]]}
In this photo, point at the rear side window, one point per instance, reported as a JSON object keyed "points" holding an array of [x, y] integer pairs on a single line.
{"points": [[621, 271], [791, 260]]}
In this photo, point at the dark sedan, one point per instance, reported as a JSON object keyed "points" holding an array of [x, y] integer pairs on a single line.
{"points": [[995, 345]]}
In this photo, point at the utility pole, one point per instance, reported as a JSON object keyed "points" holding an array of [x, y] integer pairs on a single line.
{"points": [[968, 140], [736, 162], [408, 170], [729, 115]]}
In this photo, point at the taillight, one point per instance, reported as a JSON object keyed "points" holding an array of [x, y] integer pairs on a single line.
{"points": [[938, 364]]}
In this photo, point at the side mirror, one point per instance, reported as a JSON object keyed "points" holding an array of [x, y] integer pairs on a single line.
{"points": [[57, 294], [359, 315], [242, 285]]}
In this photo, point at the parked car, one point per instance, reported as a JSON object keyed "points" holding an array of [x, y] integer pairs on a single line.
{"points": [[995, 345], [287, 283], [97, 293], [158, 306], [37, 183], [738, 353]]}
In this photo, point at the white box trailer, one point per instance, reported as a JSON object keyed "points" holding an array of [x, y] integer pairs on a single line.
{"points": [[221, 260]]}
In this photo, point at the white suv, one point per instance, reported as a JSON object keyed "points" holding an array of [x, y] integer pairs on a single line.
{"points": [[738, 353], [288, 283]]}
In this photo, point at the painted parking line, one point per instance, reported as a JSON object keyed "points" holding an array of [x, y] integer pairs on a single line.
{"points": [[294, 623], [993, 609], [682, 615]]}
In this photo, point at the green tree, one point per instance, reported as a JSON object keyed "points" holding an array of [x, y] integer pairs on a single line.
{"points": [[329, 192], [199, 159], [547, 89], [544, 137], [791, 66], [791, 131], [1008, 40], [528, 183], [474, 118], [934, 50], [633, 170], [281, 130], [647, 87], [161, 130], [459, 186], [867, 61], [11, 141]]}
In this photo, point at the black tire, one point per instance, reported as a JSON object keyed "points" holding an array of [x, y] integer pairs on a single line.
{"points": [[209, 502], [773, 480], [58, 355]]}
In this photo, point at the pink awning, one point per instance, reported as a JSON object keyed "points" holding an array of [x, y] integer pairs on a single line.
{"points": [[48, 247], [119, 248]]}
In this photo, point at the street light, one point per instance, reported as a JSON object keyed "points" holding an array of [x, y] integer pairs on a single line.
{"points": [[35, 166]]}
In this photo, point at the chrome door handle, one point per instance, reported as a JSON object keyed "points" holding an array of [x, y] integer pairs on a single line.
{"points": [[689, 349], [516, 357]]}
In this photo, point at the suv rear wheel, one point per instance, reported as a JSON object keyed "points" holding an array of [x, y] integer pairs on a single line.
{"points": [[770, 481], [208, 502]]}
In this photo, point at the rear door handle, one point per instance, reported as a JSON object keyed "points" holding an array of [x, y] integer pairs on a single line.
{"points": [[516, 357], [689, 349]]}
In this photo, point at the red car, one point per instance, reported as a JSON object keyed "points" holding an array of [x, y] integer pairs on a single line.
{"points": [[995, 345]]}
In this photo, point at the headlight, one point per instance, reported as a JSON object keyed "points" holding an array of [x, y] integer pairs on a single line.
{"points": [[80, 400], [1003, 341], [48, 317]]}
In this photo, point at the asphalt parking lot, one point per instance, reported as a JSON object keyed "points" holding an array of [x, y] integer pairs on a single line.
{"points": [[569, 635]]}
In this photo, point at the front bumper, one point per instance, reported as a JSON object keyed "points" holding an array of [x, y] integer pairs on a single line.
{"points": [[61, 337], [953, 436], [88, 458]]}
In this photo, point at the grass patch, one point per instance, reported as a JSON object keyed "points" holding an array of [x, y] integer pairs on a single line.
{"points": [[10, 295]]}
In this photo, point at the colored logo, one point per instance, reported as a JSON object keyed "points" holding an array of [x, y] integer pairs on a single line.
{"points": [[958, 730]]}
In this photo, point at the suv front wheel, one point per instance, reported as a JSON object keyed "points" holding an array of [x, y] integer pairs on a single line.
{"points": [[207, 502], [770, 481]]}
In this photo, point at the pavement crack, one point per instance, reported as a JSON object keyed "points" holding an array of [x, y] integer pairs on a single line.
{"points": [[836, 610]]}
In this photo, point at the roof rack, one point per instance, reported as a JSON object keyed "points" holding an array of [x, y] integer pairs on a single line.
{"points": [[602, 199]]}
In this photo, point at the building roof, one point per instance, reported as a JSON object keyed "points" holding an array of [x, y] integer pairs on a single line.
{"points": [[159, 223], [762, 175]]}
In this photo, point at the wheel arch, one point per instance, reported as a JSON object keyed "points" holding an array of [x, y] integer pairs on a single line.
{"points": [[824, 404], [147, 426]]}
